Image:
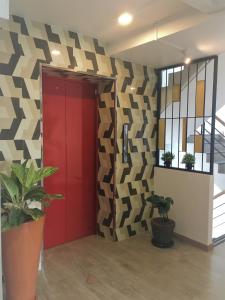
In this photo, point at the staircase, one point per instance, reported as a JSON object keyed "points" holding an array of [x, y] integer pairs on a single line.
{"points": [[219, 218], [219, 198], [219, 150], [179, 84], [219, 173]]}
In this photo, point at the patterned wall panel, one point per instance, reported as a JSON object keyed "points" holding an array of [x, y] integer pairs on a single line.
{"points": [[122, 188], [136, 106], [106, 159]]}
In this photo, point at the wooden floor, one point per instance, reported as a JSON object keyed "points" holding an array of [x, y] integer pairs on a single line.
{"points": [[94, 269]]}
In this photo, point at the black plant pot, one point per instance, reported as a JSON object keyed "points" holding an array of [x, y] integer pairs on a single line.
{"points": [[162, 232], [167, 164], [189, 167]]}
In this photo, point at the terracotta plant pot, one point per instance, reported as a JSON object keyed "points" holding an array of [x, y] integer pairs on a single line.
{"points": [[162, 232], [21, 249]]}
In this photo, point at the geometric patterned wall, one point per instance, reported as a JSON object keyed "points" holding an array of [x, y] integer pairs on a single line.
{"points": [[123, 188], [106, 159], [134, 179]]}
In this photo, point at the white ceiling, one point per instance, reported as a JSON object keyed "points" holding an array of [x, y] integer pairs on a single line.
{"points": [[190, 25], [98, 18], [205, 39]]}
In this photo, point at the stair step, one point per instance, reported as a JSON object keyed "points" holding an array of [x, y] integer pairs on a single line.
{"points": [[219, 148], [219, 139], [218, 157]]}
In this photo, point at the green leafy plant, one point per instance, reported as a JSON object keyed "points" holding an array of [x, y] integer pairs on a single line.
{"points": [[20, 191], [167, 157], [188, 159], [163, 204]]}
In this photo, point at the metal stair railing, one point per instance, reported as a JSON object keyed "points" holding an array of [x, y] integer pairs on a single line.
{"points": [[217, 130], [219, 195], [220, 121], [209, 142]]}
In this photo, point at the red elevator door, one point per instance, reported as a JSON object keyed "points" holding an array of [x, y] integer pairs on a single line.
{"points": [[69, 135]]}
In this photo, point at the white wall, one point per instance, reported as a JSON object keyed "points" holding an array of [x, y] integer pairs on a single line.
{"points": [[192, 209], [221, 86]]}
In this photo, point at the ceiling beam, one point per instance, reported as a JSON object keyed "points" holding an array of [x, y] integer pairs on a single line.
{"points": [[206, 6], [159, 31]]}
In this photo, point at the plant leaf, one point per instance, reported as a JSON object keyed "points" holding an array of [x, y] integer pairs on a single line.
{"points": [[10, 185], [44, 172], [16, 217], [34, 213], [30, 176], [19, 171], [20, 190], [38, 194]]}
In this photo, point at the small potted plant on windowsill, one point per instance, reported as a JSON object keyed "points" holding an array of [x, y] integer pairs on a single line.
{"points": [[167, 157], [189, 161], [162, 227], [22, 222]]}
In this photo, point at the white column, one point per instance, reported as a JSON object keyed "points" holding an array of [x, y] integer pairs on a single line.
{"points": [[4, 9]]}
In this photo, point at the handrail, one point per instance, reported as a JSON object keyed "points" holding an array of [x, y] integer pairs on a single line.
{"points": [[219, 216], [220, 120], [219, 194], [221, 153], [220, 223], [216, 129]]}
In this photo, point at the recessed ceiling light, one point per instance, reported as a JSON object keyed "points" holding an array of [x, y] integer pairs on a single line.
{"points": [[125, 19], [132, 88], [187, 60], [55, 52]]}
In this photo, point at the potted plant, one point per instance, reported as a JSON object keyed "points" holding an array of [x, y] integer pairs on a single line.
{"points": [[167, 157], [162, 227], [22, 222], [189, 161]]}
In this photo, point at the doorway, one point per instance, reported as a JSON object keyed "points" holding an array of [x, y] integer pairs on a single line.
{"points": [[69, 143]]}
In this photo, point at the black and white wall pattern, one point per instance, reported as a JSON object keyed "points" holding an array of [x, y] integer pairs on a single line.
{"points": [[122, 188]]}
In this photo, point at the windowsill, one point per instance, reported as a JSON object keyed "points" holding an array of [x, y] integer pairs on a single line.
{"points": [[184, 170]]}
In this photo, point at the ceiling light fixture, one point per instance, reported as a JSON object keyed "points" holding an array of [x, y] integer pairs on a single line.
{"points": [[132, 88], [125, 19], [55, 52], [187, 60]]}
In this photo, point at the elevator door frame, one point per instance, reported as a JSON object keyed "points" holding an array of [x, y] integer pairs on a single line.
{"points": [[61, 72]]}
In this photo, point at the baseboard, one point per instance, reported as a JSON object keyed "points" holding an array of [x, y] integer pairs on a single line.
{"points": [[193, 242]]}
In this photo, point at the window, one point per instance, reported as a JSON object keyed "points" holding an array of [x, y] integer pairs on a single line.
{"points": [[186, 113]]}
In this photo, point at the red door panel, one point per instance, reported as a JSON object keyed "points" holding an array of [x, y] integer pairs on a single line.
{"points": [[74, 138], [81, 138], [89, 153], [69, 115], [54, 155]]}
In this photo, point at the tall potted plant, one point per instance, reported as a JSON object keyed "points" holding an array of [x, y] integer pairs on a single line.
{"points": [[162, 227], [189, 161], [22, 227], [167, 157]]}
